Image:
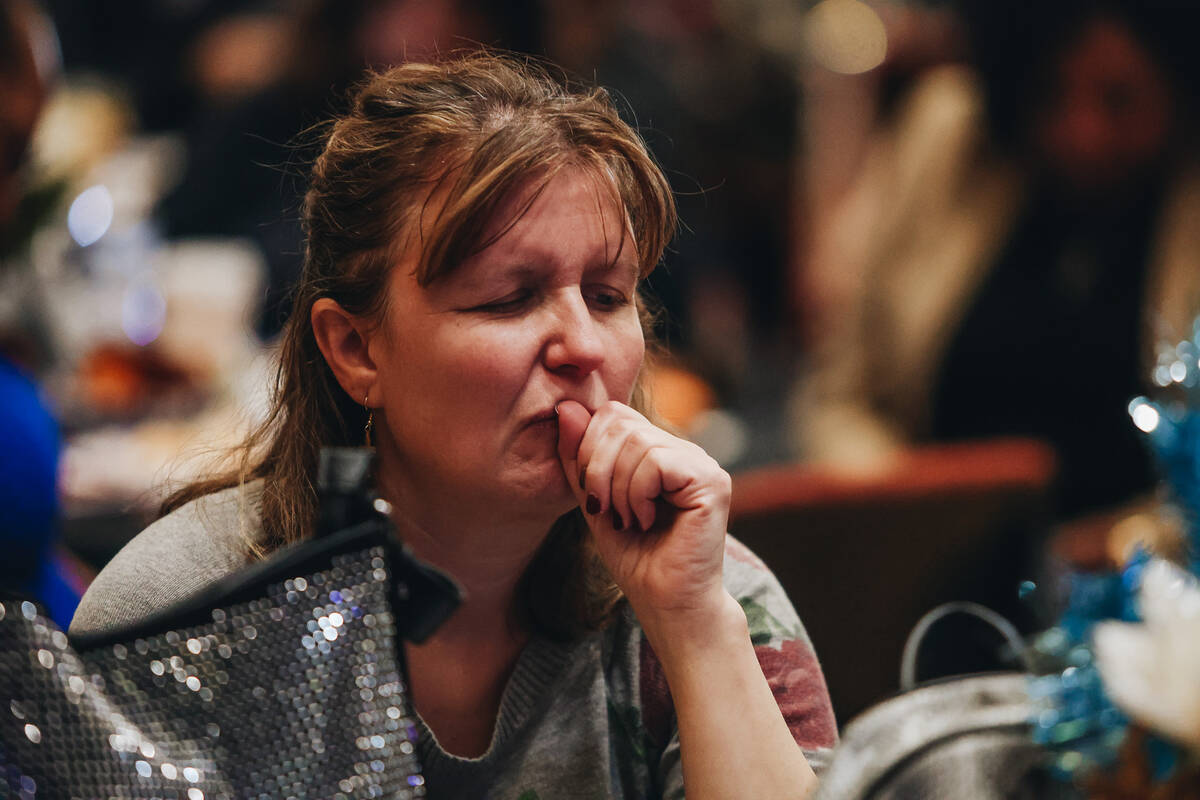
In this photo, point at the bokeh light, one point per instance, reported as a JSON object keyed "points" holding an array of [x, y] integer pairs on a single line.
{"points": [[143, 311], [90, 215], [845, 36], [1145, 415]]}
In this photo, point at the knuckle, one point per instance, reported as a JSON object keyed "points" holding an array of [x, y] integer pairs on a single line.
{"points": [[608, 409], [639, 438]]}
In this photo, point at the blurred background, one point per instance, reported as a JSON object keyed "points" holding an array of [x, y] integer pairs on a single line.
{"points": [[931, 251]]}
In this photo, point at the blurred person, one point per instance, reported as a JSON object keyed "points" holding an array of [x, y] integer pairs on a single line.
{"points": [[718, 110], [31, 564], [239, 177], [1027, 231], [23, 89], [145, 48], [843, 114], [477, 236]]}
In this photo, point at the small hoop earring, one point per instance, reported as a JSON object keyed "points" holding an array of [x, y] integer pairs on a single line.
{"points": [[369, 428]]}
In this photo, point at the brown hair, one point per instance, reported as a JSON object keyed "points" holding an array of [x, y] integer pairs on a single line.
{"points": [[474, 128]]}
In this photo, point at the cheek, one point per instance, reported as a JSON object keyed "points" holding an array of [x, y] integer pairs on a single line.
{"points": [[624, 362], [490, 365]]}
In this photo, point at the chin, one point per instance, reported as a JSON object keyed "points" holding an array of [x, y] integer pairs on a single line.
{"points": [[559, 498], [542, 492]]}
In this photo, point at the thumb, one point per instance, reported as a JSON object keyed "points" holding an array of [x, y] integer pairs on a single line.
{"points": [[573, 421]]}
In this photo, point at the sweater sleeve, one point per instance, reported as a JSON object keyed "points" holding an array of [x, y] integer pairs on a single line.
{"points": [[787, 659], [180, 554]]}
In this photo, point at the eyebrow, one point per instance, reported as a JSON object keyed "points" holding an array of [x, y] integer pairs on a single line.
{"points": [[635, 270], [625, 261], [627, 252]]}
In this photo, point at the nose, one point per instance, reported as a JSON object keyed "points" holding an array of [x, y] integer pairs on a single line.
{"points": [[574, 346]]}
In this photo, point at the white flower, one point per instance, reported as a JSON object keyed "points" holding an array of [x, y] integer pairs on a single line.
{"points": [[1152, 670]]}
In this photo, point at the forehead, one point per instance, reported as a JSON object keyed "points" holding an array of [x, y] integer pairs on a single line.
{"points": [[572, 214], [573, 198]]}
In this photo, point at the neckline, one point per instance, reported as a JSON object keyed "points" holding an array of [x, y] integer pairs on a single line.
{"points": [[538, 667]]}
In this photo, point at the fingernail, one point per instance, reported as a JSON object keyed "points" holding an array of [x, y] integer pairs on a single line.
{"points": [[593, 504], [556, 409], [617, 522], [583, 478]]}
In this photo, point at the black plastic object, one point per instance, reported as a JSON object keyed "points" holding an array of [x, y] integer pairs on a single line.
{"points": [[345, 486], [425, 596]]}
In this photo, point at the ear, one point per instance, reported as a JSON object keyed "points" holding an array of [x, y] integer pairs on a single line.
{"points": [[343, 339]]}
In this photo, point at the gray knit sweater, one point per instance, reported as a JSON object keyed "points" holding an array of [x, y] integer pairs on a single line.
{"points": [[586, 719]]}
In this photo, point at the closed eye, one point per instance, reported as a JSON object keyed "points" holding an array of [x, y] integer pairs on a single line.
{"points": [[508, 304], [605, 298]]}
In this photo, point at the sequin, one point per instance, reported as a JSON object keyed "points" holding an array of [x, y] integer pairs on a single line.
{"points": [[252, 704]]}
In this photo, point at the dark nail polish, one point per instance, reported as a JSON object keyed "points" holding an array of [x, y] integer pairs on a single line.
{"points": [[617, 522], [593, 504]]}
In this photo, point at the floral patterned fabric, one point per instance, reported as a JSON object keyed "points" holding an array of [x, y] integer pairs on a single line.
{"points": [[594, 719]]}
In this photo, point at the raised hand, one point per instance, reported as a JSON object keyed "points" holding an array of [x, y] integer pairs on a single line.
{"points": [[657, 505]]}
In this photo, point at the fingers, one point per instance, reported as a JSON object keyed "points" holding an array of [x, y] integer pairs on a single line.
{"points": [[610, 437], [628, 473], [634, 501], [618, 445], [657, 505], [597, 456], [645, 482], [573, 419], [631, 504]]}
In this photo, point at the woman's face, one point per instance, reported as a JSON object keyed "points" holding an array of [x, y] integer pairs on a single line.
{"points": [[472, 366], [1108, 114]]}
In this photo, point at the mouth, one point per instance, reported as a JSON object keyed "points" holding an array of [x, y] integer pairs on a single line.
{"points": [[548, 417]]}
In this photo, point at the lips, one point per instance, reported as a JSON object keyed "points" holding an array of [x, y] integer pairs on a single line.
{"points": [[551, 414], [545, 416]]}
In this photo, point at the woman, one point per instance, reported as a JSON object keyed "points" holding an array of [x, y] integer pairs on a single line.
{"points": [[476, 238], [1024, 237]]}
